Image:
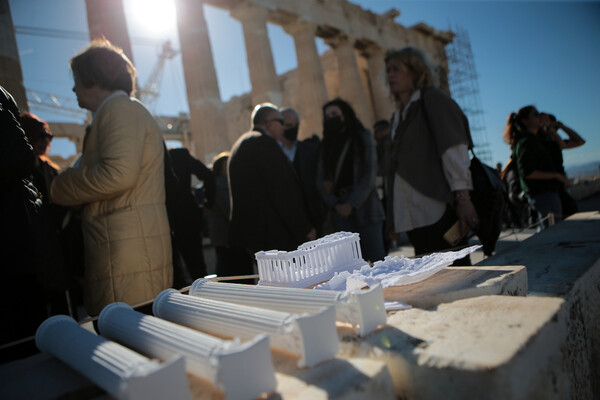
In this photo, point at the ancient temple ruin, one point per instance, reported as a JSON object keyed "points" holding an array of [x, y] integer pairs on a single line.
{"points": [[352, 69]]}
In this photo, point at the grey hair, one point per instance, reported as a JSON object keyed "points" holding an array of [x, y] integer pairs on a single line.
{"points": [[418, 63]]}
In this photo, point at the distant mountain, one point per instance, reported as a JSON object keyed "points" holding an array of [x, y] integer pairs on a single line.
{"points": [[582, 170]]}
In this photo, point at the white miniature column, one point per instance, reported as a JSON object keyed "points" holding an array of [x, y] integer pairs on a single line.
{"points": [[123, 373], [364, 309], [240, 370], [312, 337]]}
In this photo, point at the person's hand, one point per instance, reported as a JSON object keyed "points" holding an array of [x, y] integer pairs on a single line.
{"points": [[344, 210], [312, 235], [465, 211], [328, 187]]}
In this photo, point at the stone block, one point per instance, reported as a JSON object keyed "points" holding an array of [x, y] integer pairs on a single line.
{"points": [[356, 378], [489, 347], [564, 261]]}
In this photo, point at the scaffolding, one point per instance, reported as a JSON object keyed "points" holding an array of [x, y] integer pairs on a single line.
{"points": [[464, 86]]}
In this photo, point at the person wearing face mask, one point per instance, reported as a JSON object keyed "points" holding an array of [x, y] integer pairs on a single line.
{"points": [[304, 155], [346, 175]]}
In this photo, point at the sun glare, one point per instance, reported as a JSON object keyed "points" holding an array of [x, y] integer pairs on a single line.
{"points": [[154, 18]]}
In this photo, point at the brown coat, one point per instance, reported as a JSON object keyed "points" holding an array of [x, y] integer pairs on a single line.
{"points": [[120, 185]]}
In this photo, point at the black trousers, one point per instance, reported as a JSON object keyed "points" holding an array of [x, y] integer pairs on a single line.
{"points": [[240, 262], [429, 239]]}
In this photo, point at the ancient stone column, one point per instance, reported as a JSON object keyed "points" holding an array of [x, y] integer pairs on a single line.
{"points": [[207, 120], [11, 75], [383, 106], [310, 80], [106, 18], [350, 84], [265, 85]]}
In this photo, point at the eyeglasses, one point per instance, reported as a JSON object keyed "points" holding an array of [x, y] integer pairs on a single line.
{"points": [[280, 120]]}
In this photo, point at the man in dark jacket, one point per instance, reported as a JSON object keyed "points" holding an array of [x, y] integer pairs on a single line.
{"points": [[267, 207], [304, 155], [188, 231]]}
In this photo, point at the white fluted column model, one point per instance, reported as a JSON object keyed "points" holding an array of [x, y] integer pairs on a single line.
{"points": [[350, 83], [382, 102], [312, 337], [311, 81], [240, 370], [120, 371], [364, 309], [265, 84]]}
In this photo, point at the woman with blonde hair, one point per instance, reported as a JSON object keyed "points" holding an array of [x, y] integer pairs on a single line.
{"points": [[118, 184], [427, 165]]}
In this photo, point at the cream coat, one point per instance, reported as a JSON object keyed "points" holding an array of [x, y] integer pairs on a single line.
{"points": [[120, 184]]}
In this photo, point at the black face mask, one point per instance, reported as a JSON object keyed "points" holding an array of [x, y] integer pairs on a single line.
{"points": [[291, 133], [334, 125]]}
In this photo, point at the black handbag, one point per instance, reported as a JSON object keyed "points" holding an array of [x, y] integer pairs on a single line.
{"points": [[488, 194], [489, 199]]}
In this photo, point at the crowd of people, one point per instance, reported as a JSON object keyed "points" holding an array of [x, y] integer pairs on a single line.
{"points": [[122, 224]]}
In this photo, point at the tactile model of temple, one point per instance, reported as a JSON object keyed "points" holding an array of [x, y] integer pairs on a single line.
{"points": [[312, 263]]}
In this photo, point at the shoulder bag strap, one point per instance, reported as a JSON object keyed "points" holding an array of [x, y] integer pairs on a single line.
{"points": [[338, 167]]}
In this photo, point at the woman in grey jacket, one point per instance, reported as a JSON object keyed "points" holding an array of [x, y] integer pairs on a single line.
{"points": [[346, 177], [428, 177]]}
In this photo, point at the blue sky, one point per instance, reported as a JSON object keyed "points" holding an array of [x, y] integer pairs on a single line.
{"points": [[538, 52]]}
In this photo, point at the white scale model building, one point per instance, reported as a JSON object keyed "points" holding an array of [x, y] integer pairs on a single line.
{"points": [[314, 262]]}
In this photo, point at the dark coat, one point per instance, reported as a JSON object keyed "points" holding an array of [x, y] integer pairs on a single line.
{"points": [[29, 254], [267, 208], [363, 194], [185, 165], [305, 165]]}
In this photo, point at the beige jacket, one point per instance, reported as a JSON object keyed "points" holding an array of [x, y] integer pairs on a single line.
{"points": [[119, 183]]}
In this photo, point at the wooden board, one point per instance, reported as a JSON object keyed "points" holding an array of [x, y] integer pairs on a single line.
{"points": [[454, 283]]}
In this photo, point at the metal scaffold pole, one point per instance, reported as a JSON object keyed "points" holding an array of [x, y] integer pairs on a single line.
{"points": [[464, 86]]}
